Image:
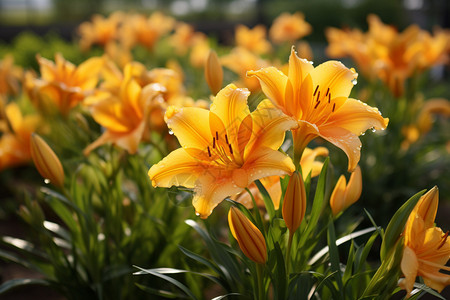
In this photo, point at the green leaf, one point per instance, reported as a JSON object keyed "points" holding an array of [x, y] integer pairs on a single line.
{"points": [[168, 279], [266, 198], [201, 260], [334, 257], [397, 223], [15, 283], [349, 265], [318, 202], [226, 296], [423, 287], [161, 293]]}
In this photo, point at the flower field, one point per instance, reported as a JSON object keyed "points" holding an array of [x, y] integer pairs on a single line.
{"points": [[145, 159]]}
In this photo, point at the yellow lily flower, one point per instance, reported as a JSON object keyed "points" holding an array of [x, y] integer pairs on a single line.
{"points": [[184, 38], [240, 60], [100, 30], [124, 114], [317, 98], [10, 76], [250, 239], [199, 52], [63, 84], [272, 183], [289, 28], [146, 31], [387, 54], [254, 40], [427, 248], [223, 149], [16, 130], [345, 195]]}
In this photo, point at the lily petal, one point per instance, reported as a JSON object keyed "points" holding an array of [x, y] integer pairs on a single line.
{"points": [[347, 141], [267, 162], [269, 125], [190, 125], [210, 189], [409, 266], [356, 116], [336, 77], [178, 168], [273, 83]]}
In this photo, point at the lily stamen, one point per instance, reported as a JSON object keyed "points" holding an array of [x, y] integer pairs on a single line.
{"points": [[315, 91], [209, 152], [444, 239], [328, 90], [334, 106], [318, 96], [317, 104]]}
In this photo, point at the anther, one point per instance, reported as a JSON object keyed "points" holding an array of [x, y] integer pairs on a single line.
{"points": [[334, 106], [329, 97], [226, 138], [315, 92], [328, 90], [217, 136], [318, 96], [317, 104], [209, 151], [444, 239], [231, 149], [214, 142]]}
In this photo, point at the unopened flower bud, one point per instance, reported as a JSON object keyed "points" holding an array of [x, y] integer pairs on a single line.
{"points": [[250, 239], [213, 72], [345, 195], [46, 161], [294, 203]]}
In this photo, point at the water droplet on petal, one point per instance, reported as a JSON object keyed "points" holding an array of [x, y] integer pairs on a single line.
{"points": [[46, 181], [373, 129], [170, 131], [363, 133], [354, 81], [197, 214]]}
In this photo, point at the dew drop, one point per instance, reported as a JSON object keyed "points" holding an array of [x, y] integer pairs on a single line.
{"points": [[363, 133], [46, 181], [170, 131], [197, 214], [354, 81], [373, 129]]}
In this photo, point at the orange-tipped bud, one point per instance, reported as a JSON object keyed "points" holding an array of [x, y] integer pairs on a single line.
{"points": [[46, 161], [250, 239], [294, 203], [213, 72], [345, 195]]}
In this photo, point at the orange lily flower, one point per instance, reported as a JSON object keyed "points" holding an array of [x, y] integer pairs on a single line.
{"points": [[289, 28], [427, 248], [184, 38], [223, 149], [272, 183], [10, 76], [15, 138], [100, 30], [254, 40], [240, 61], [64, 85], [391, 56], [124, 114], [145, 31], [317, 98]]}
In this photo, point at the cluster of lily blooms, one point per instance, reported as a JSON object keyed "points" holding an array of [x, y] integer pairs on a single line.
{"points": [[225, 147]]}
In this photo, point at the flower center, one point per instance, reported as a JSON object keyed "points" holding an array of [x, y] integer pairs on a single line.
{"points": [[221, 152]]}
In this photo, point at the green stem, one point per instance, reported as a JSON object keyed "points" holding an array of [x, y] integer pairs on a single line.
{"points": [[260, 292], [288, 253]]}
